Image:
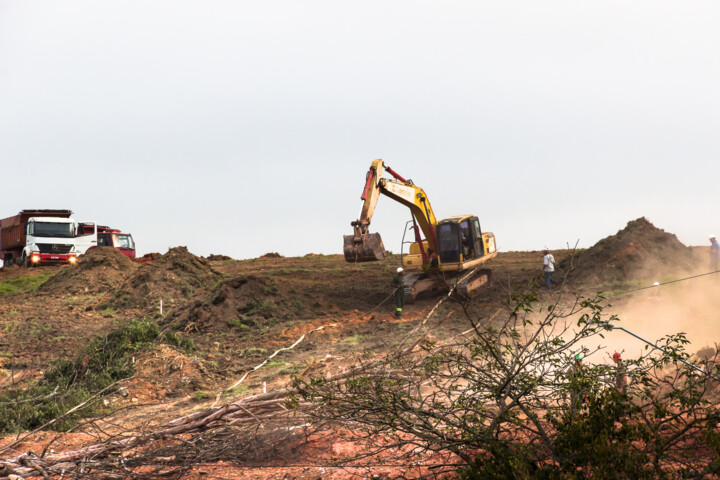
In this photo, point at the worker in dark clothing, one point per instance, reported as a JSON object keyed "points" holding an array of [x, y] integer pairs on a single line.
{"points": [[398, 282]]}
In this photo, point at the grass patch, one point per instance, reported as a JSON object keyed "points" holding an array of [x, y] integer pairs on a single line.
{"points": [[234, 322], [201, 396], [37, 329], [72, 301], [355, 339], [253, 352], [23, 284], [239, 390], [67, 383], [268, 307], [293, 370]]}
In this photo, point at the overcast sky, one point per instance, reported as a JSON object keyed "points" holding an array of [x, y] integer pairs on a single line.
{"points": [[241, 128]]}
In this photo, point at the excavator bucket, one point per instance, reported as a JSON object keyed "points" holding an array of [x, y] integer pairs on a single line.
{"points": [[363, 248]]}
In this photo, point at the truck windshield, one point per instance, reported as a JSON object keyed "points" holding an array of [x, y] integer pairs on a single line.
{"points": [[124, 241], [60, 230]]}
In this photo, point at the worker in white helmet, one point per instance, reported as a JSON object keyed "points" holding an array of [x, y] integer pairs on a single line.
{"points": [[398, 283], [714, 253]]}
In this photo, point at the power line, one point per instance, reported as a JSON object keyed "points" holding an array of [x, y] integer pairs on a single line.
{"points": [[666, 283], [691, 365]]}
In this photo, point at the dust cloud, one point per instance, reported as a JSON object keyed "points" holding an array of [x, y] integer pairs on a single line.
{"points": [[691, 306], [636, 257]]}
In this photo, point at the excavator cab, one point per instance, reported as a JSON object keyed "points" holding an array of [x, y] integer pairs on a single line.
{"points": [[461, 240]]}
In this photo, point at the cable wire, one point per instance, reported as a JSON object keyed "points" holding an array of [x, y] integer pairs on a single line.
{"points": [[666, 283]]}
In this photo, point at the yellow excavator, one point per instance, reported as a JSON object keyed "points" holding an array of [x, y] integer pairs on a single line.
{"points": [[450, 252]]}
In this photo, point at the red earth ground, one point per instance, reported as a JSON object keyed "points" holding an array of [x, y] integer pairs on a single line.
{"points": [[238, 313]]}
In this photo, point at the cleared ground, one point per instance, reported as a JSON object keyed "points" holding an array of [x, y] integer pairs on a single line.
{"points": [[238, 313]]}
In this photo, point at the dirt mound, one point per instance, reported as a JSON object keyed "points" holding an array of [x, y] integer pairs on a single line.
{"points": [[165, 372], [172, 278], [148, 258], [218, 258], [271, 255], [99, 270], [640, 251], [245, 303]]}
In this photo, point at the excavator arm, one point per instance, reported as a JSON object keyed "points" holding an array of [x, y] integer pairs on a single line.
{"points": [[364, 246]]}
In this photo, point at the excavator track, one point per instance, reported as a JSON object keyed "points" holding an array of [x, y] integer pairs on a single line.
{"points": [[472, 281], [466, 283], [417, 283]]}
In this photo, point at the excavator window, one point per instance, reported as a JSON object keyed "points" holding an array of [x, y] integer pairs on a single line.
{"points": [[479, 249], [449, 242], [467, 240]]}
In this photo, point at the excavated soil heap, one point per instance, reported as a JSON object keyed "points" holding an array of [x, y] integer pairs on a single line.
{"points": [[245, 302], [148, 258], [172, 278], [166, 372], [640, 251], [213, 257], [99, 270]]}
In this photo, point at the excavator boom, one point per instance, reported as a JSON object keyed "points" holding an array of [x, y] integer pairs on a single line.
{"points": [[363, 246]]}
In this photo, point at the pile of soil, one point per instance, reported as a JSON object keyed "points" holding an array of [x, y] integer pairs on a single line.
{"points": [[148, 258], [271, 255], [246, 303], [99, 270], [166, 372], [640, 251], [218, 258], [172, 278]]}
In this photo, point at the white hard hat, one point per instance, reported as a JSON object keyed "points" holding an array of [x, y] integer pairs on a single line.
{"points": [[399, 269], [712, 236]]}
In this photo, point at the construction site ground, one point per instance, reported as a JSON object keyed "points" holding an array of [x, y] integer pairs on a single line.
{"points": [[239, 313]]}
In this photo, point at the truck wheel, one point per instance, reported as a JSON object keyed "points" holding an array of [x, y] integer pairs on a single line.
{"points": [[24, 261]]}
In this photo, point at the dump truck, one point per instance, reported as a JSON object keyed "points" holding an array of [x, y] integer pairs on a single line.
{"points": [[90, 235], [38, 237], [451, 252]]}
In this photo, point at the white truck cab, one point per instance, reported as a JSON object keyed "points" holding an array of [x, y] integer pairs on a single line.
{"points": [[49, 240]]}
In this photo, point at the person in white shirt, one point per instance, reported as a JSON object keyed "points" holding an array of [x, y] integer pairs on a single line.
{"points": [[548, 268]]}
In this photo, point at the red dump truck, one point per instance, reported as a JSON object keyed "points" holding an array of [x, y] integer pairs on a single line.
{"points": [[38, 237], [90, 236]]}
